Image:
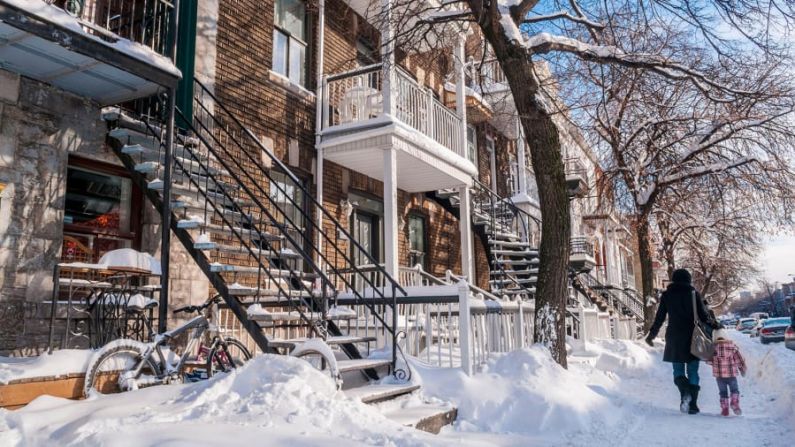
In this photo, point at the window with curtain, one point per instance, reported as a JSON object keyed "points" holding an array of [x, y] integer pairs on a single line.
{"points": [[290, 40]]}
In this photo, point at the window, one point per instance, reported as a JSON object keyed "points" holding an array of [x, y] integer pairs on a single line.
{"points": [[416, 240], [289, 40], [472, 144], [98, 214], [288, 196]]}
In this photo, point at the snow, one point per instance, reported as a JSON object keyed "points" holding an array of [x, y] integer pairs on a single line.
{"points": [[61, 18], [276, 398], [129, 258], [58, 364], [614, 392]]}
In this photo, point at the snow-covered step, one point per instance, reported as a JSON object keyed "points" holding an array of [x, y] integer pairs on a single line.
{"points": [[531, 280], [429, 417], [340, 340], [361, 364], [239, 232], [514, 253], [507, 244], [147, 167], [241, 249], [515, 272], [517, 262], [380, 392]]}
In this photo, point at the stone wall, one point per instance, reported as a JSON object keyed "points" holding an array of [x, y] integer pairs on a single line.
{"points": [[39, 127]]}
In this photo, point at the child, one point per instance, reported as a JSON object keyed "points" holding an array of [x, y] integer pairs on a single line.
{"points": [[725, 363]]}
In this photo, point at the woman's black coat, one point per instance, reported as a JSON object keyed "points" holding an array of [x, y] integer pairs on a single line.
{"points": [[676, 303]]}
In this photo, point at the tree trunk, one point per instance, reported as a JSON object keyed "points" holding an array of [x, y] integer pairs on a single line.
{"points": [[543, 141], [646, 271]]}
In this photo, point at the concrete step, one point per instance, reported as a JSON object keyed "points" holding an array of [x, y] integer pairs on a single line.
{"points": [[361, 364], [380, 392], [340, 340], [425, 416]]}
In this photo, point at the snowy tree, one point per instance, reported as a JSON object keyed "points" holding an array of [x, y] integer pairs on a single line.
{"points": [[524, 34]]}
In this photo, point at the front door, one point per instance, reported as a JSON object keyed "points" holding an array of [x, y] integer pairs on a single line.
{"points": [[366, 232]]}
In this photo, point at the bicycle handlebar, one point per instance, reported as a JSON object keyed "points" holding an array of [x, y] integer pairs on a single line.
{"points": [[192, 309]]}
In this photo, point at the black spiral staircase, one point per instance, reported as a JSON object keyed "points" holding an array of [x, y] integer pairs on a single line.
{"points": [[504, 231], [252, 228]]}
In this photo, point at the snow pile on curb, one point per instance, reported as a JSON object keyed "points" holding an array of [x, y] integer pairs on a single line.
{"points": [[772, 367], [523, 392], [59, 363], [276, 398]]}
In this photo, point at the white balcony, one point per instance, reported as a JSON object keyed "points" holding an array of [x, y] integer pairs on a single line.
{"points": [[428, 136], [581, 257], [576, 178]]}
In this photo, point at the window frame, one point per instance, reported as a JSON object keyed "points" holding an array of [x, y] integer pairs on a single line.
{"points": [[290, 38], [424, 219]]}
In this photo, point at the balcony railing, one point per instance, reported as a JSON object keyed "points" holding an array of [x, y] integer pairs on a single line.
{"points": [[357, 96], [580, 245], [146, 22], [489, 73]]}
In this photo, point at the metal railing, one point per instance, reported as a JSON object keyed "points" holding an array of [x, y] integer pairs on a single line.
{"points": [[580, 245], [490, 73], [357, 96], [146, 22]]}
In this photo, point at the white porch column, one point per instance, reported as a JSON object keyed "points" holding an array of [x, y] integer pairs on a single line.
{"points": [[465, 229], [521, 159], [388, 57], [464, 334], [390, 212], [460, 90]]}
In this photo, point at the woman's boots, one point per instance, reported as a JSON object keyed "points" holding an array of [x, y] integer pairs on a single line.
{"points": [[688, 395], [693, 407], [683, 384]]}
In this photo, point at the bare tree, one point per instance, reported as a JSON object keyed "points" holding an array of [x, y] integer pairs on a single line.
{"points": [[521, 34]]}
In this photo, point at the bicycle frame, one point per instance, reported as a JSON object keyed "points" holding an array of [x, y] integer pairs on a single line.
{"points": [[165, 376]]}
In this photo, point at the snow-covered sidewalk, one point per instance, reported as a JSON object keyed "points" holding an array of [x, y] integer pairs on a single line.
{"points": [[617, 394]]}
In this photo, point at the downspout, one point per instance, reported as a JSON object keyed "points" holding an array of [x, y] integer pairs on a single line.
{"points": [[319, 112], [165, 212]]}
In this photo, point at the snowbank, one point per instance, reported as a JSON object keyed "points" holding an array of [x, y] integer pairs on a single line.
{"points": [[772, 367], [523, 392], [272, 400], [59, 363]]}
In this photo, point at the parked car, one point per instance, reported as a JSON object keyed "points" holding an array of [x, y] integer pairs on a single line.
{"points": [[745, 325], [789, 338], [773, 329], [758, 327], [760, 315]]}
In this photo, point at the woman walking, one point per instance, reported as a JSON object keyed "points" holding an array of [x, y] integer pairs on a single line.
{"points": [[676, 304]]}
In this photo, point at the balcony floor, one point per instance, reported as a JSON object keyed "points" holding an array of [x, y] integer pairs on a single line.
{"points": [[422, 164], [51, 52]]}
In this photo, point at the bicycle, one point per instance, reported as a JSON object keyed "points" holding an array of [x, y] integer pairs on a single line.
{"points": [[140, 365]]}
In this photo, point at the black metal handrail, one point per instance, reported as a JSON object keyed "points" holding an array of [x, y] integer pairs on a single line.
{"points": [[502, 213], [581, 245], [237, 234], [334, 257]]}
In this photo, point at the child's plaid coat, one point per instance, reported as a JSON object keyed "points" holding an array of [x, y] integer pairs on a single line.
{"points": [[727, 360]]}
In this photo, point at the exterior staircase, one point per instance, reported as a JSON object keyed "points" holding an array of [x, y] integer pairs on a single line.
{"points": [[608, 298], [250, 225], [502, 228]]}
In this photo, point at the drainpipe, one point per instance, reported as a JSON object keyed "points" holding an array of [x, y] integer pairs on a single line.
{"points": [[319, 112], [165, 214]]}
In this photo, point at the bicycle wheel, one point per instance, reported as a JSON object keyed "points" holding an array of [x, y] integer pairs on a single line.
{"points": [[226, 355], [106, 369]]}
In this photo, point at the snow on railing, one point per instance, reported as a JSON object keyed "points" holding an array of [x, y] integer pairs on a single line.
{"points": [[357, 96]]}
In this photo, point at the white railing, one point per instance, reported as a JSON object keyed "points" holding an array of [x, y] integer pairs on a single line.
{"points": [[357, 96], [490, 73]]}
